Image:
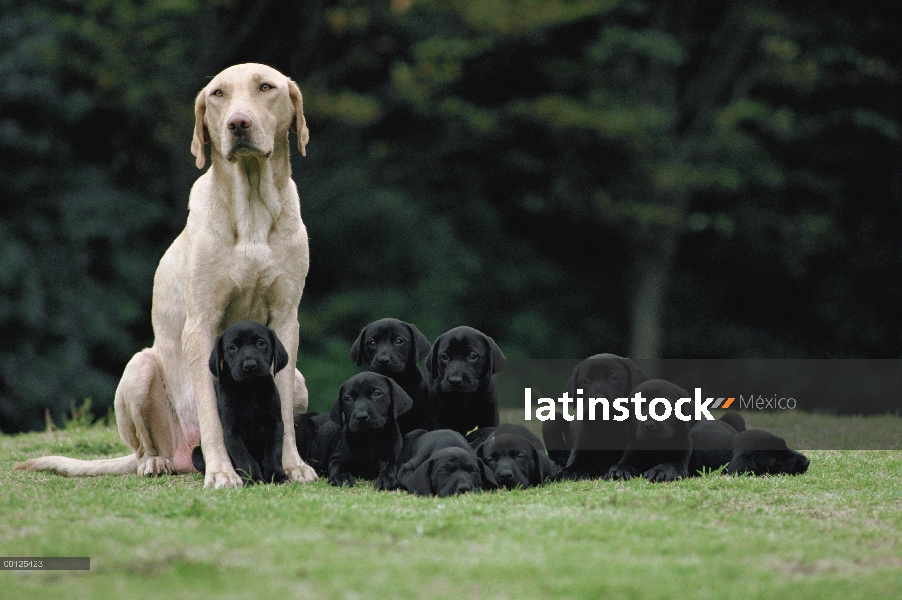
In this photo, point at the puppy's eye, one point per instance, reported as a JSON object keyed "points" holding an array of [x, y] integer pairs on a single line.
{"points": [[232, 348], [261, 344], [348, 399], [586, 381], [265, 87], [472, 356], [371, 343], [377, 393], [399, 341], [443, 357], [217, 93], [613, 378]]}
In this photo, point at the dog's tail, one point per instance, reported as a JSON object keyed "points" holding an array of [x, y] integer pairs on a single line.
{"points": [[122, 465]]}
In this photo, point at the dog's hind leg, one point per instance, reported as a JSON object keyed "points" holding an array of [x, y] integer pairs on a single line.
{"points": [[144, 415]]}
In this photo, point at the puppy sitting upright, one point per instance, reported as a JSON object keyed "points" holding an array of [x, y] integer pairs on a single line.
{"points": [[462, 384], [367, 410], [248, 401], [393, 348]]}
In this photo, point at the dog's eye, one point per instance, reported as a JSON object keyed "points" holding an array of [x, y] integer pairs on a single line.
{"points": [[217, 93], [348, 399], [587, 381], [371, 343], [443, 357], [232, 348], [399, 341], [261, 344], [377, 393], [472, 356], [265, 87], [613, 378]]}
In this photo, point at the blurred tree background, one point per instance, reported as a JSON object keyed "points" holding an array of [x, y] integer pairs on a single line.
{"points": [[699, 179]]}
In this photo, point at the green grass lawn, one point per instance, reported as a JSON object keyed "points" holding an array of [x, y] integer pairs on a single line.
{"points": [[835, 532]]}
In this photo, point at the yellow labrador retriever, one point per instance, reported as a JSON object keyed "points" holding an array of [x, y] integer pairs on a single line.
{"points": [[242, 255]]}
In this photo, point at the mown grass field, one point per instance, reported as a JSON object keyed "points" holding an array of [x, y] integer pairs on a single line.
{"points": [[835, 532]]}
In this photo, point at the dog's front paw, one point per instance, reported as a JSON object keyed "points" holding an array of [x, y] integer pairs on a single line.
{"points": [[663, 473], [386, 483], [276, 475], [303, 473], [222, 479], [155, 465], [619, 472], [342, 479]]}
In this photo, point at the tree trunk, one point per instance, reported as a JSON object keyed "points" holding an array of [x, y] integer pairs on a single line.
{"points": [[652, 270]]}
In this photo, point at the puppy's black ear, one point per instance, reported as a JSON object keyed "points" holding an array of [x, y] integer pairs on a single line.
{"points": [[499, 361], [216, 357], [279, 353], [544, 468], [481, 450], [637, 375], [420, 481], [421, 345], [432, 360], [489, 481], [401, 402], [357, 348], [336, 415]]}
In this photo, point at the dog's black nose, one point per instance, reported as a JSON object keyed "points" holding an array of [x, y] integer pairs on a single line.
{"points": [[505, 475], [383, 360], [362, 417], [249, 365], [464, 487], [455, 379], [649, 425]]}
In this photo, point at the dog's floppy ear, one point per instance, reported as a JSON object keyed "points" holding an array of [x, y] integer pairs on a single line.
{"points": [[299, 123], [336, 415], [499, 361], [432, 361], [401, 402], [545, 469], [216, 357], [357, 348], [421, 345], [637, 375], [201, 135], [489, 481], [420, 481], [279, 353]]}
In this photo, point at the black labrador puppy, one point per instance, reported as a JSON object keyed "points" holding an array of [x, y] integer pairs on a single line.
{"points": [[369, 443], [758, 452], [461, 370], [248, 401], [393, 348], [516, 456], [588, 449], [442, 463], [712, 442], [659, 450], [316, 436]]}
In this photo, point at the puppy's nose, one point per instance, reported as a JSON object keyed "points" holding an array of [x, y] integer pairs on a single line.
{"points": [[249, 365], [455, 379], [239, 123], [383, 360], [505, 475], [464, 487], [649, 425], [362, 417]]}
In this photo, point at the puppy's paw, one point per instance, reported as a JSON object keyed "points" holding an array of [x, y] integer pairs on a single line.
{"points": [[155, 465], [619, 472], [276, 475], [301, 474], [568, 475], [386, 483], [663, 473], [342, 479], [222, 479]]}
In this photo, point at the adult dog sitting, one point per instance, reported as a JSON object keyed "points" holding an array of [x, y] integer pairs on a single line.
{"points": [[244, 360], [242, 255], [463, 389]]}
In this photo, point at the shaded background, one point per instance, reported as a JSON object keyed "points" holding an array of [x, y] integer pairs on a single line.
{"points": [[697, 179]]}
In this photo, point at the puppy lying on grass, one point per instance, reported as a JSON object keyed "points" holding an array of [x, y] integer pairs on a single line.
{"points": [[248, 401], [442, 463], [369, 442], [515, 455], [743, 451], [659, 450]]}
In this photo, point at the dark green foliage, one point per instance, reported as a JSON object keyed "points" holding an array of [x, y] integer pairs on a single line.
{"points": [[569, 176]]}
